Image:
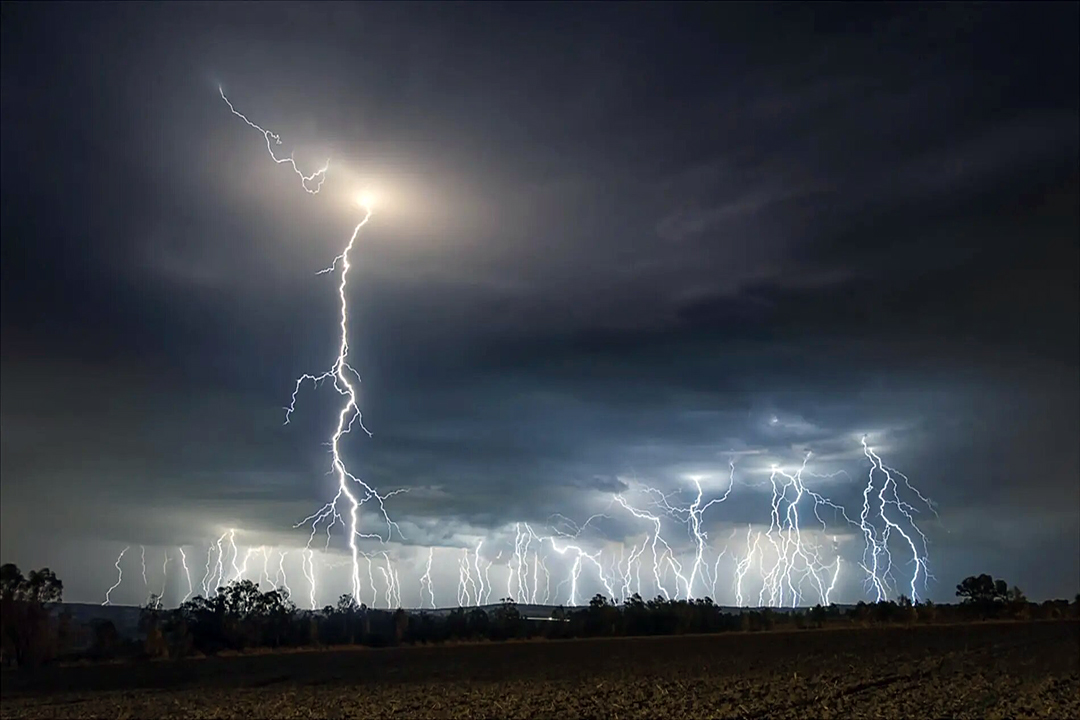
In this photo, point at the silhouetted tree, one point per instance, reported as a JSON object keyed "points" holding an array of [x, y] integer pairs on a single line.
{"points": [[982, 595], [401, 624], [27, 631], [927, 611], [1019, 608], [905, 610], [506, 620], [151, 625], [240, 616], [982, 589]]}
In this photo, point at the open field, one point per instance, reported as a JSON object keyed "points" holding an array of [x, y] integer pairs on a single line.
{"points": [[985, 670]]}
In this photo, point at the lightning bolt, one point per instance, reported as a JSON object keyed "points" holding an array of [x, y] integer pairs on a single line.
{"points": [[207, 577], [519, 563], [311, 183], [425, 580], [479, 575], [187, 574], [744, 564], [119, 577], [487, 578], [581, 556], [575, 571], [243, 566], [219, 576], [164, 578], [832, 585], [344, 378], [142, 556], [467, 587], [888, 497], [308, 567], [510, 561], [716, 570], [281, 579], [389, 582], [393, 585], [629, 577], [342, 375], [785, 536], [694, 521], [266, 553], [235, 553], [658, 556]]}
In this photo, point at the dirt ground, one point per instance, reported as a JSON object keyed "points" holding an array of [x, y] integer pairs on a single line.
{"points": [[977, 671]]}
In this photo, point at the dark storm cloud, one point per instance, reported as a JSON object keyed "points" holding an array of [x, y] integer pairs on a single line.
{"points": [[625, 239]]}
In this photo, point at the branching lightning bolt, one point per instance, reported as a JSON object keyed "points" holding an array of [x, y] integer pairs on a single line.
{"points": [[311, 183], [345, 378], [658, 556], [878, 541], [694, 521], [744, 564]]}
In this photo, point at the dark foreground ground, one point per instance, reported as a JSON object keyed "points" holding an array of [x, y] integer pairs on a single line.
{"points": [[984, 671]]}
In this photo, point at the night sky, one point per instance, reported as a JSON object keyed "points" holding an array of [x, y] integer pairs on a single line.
{"points": [[614, 245]]}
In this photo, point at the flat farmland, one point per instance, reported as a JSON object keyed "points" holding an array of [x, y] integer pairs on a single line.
{"points": [[977, 671]]}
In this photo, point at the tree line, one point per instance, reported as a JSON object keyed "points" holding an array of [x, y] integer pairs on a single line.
{"points": [[241, 617]]}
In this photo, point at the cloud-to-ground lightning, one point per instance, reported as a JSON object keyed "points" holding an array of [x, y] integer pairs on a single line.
{"points": [[479, 574], [164, 577], [187, 574], [344, 378], [208, 576], [119, 577], [425, 581], [235, 553], [744, 564], [878, 539], [281, 580], [694, 520], [580, 555], [796, 557], [142, 559], [791, 551], [659, 556], [575, 571], [308, 567], [468, 593], [266, 552]]}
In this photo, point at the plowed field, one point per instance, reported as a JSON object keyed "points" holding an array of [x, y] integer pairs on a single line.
{"points": [[977, 671]]}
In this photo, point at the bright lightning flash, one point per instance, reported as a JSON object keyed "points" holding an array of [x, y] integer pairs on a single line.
{"points": [[345, 380]]}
